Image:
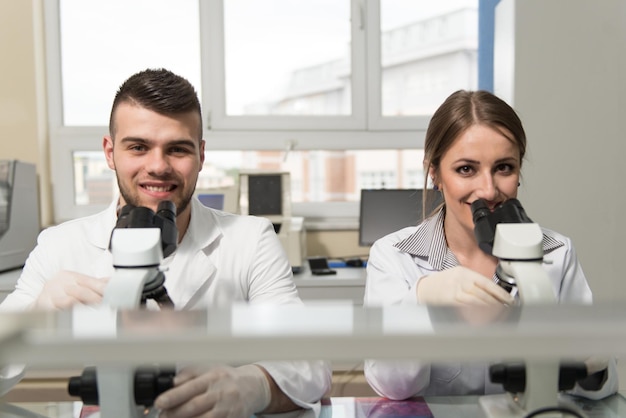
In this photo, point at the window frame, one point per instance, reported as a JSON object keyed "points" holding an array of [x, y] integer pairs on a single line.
{"points": [[365, 129], [64, 140], [213, 76], [344, 132]]}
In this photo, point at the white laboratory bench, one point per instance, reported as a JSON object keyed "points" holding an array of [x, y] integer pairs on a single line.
{"points": [[347, 285]]}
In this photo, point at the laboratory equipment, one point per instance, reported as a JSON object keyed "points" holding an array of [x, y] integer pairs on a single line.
{"points": [[139, 242], [19, 212], [383, 211], [268, 194], [319, 266], [510, 235], [220, 198]]}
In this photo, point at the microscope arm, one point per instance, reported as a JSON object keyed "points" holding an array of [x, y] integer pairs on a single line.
{"points": [[139, 241], [534, 286], [126, 286], [519, 247], [137, 254]]}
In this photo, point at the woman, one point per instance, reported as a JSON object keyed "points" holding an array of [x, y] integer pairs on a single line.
{"points": [[475, 144]]}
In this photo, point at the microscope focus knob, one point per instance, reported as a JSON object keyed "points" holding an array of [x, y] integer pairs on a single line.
{"points": [[85, 386], [150, 382]]}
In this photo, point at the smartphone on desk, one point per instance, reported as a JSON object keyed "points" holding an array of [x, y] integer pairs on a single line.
{"points": [[319, 266]]}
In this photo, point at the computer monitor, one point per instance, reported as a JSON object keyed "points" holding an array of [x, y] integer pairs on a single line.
{"points": [[220, 198], [212, 200], [384, 211]]}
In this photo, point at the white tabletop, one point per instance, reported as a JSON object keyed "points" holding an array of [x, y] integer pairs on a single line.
{"points": [[348, 284]]}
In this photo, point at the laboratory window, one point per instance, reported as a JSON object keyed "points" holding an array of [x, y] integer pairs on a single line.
{"points": [[336, 92]]}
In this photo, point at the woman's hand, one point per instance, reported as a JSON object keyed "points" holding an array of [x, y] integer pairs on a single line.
{"points": [[460, 286]]}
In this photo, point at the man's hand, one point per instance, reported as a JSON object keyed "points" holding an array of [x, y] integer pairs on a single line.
{"points": [[68, 288], [597, 373], [219, 391], [460, 286]]}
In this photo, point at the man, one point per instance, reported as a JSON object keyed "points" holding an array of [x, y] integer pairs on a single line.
{"points": [[156, 149]]}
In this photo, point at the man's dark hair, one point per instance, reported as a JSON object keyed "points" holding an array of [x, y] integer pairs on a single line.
{"points": [[159, 90]]}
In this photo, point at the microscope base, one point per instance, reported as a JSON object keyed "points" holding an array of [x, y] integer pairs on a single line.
{"points": [[505, 406]]}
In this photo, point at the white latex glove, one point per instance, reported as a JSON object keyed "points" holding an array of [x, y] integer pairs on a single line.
{"points": [[460, 286], [9, 377], [68, 288], [219, 391]]}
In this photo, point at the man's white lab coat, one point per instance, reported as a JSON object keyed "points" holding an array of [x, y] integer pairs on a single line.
{"points": [[222, 258]]}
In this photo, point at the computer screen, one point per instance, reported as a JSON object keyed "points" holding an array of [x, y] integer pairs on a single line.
{"points": [[212, 200], [384, 211], [220, 198]]}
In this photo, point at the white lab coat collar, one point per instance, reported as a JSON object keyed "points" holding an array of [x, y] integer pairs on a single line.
{"points": [[203, 231]]}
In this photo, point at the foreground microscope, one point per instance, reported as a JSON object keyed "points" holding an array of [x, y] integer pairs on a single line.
{"points": [[532, 386], [139, 242]]}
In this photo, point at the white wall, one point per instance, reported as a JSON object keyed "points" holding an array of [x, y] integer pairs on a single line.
{"points": [[568, 83]]}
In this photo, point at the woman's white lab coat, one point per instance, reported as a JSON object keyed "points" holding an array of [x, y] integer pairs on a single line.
{"points": [[397, 262]]}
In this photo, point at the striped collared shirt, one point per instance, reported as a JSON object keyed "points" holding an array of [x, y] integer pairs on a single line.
{"points": [[428, 243]]}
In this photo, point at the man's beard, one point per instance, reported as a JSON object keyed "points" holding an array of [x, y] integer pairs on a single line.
{"points": [[131, 200]]}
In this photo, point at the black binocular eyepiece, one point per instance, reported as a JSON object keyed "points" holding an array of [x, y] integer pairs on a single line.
{"points": [[131, 216], [485, 220]]}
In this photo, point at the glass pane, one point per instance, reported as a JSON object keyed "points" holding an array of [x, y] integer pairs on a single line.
{"points": [[320, 176], [428, 50], [316, 176], [104, 42], [94, 181], [286, 57]]}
